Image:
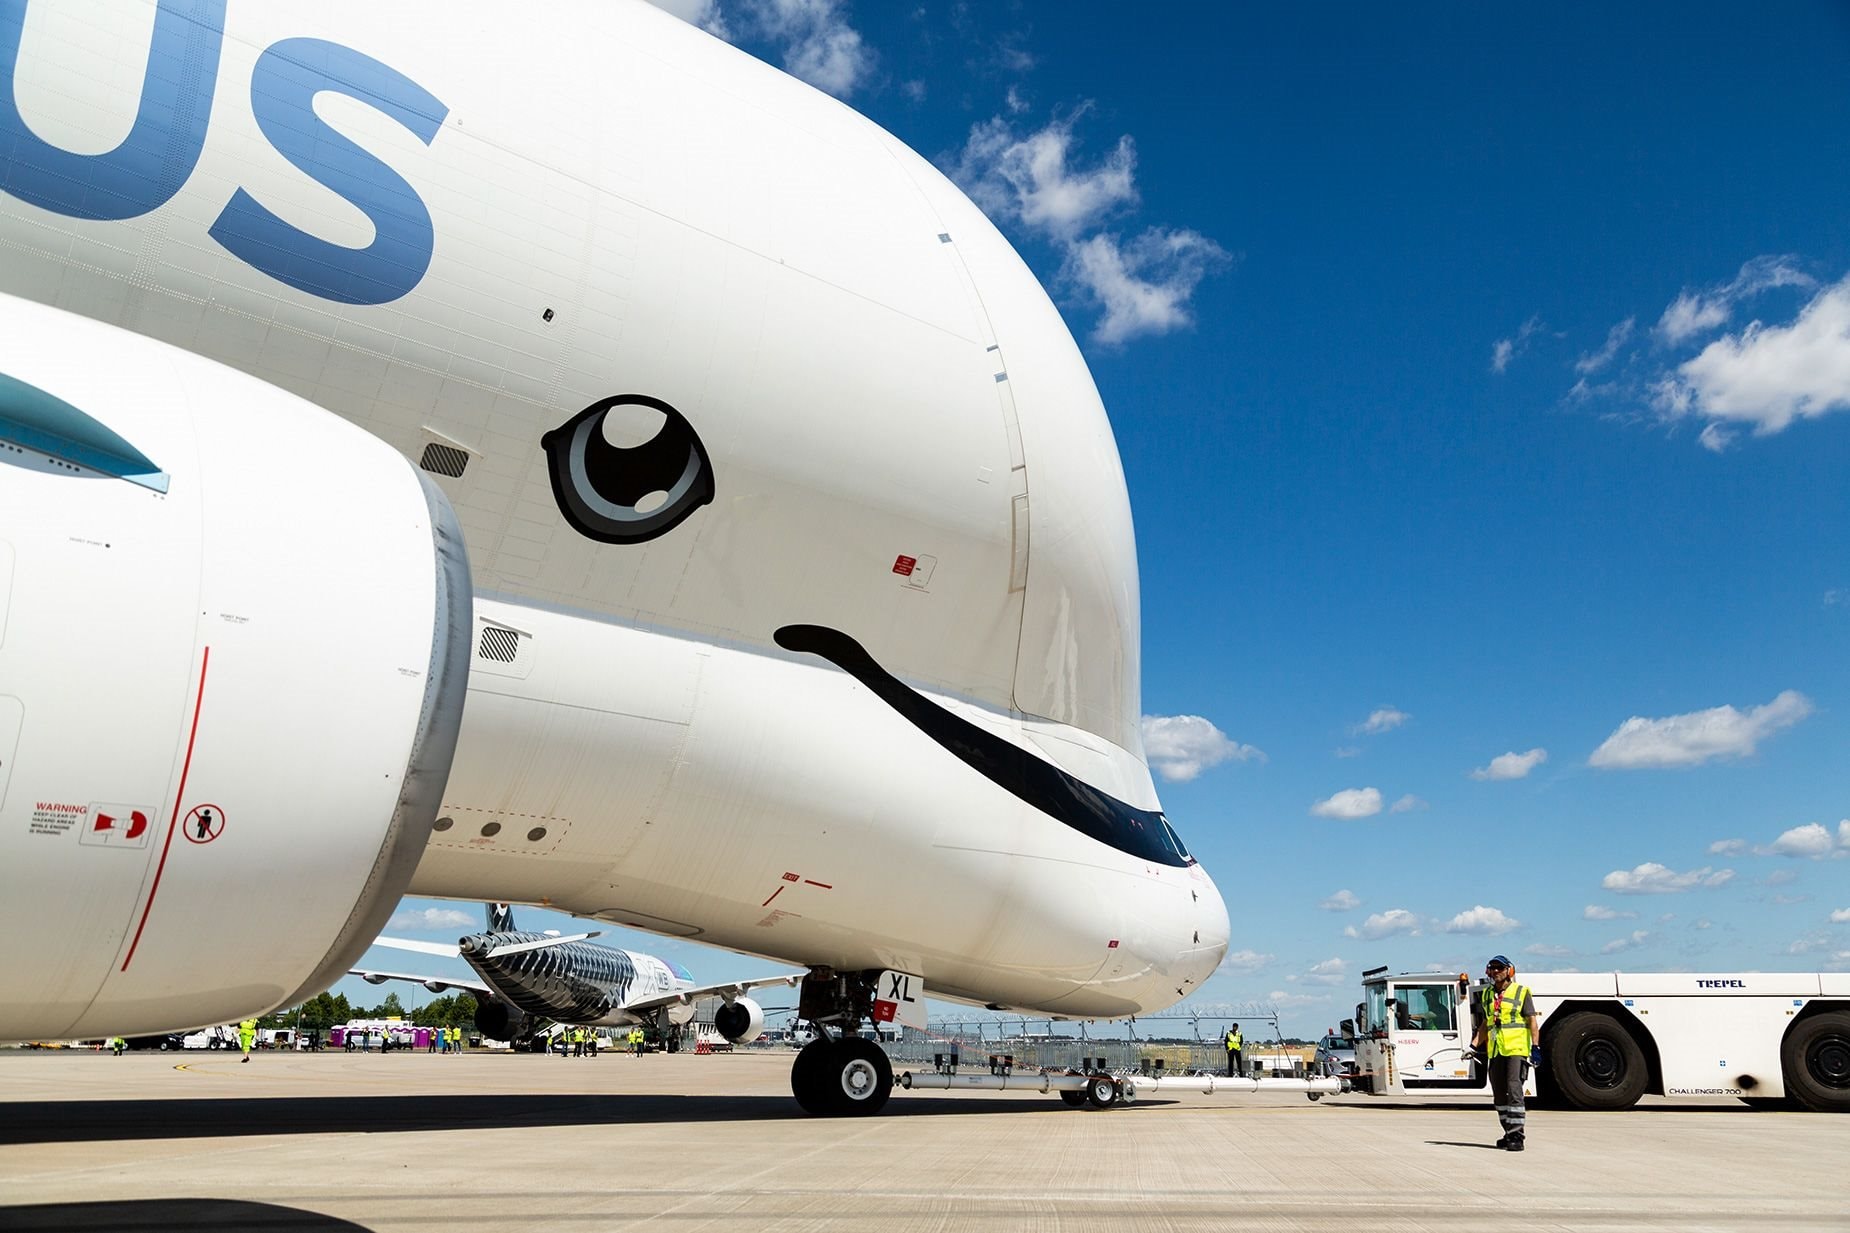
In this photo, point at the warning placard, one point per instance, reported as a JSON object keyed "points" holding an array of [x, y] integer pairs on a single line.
{"points": [[203, 824], [117, 826], [57, 817]]}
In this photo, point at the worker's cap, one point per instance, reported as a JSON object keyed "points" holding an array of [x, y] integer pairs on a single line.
{"points": [[1498, 963]]}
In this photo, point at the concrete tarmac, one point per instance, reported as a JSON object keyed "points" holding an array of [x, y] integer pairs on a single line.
{"points": [[420, 1142]]}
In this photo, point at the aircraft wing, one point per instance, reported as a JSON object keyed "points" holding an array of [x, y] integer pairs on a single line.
{"points": [[447, 949], [729, 988], [436, 984]]}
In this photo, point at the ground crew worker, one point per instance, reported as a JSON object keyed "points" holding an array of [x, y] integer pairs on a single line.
{"points": [[1504, 1036], [117, 1044], [1236, 1060], [636, 1041], [247, 1036]]}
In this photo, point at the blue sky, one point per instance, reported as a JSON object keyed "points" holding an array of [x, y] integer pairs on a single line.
{"points": [[1482, 378]]}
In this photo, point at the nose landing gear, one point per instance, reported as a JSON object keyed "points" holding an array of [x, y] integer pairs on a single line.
{"points": [[839, 1074], [841, 1077]]}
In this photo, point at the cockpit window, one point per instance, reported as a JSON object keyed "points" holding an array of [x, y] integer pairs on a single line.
{"points": [[1175, 840]]}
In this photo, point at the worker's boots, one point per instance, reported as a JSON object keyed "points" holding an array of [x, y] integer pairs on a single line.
{"points": [[1513, 1143]]}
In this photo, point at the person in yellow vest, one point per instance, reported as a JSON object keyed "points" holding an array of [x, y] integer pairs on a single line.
{"points": [[1504, 1036], [1236, 1055], [636, 1040], [247, 1036]]}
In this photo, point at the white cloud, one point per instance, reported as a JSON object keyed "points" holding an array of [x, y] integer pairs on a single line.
{"points": [[1785, 900], [1381, 719], [1841, 916], [1032, 179], [1547, 950], [1811, 841], [1728, 847], [1699, 736], [1596, 911], [817, 42], [1407, 804], [1350, 804], [1690, 313], [431, 918], [1329, 972], [1385, 925], [1348, 751], [1506, 349], [1246, 961], [1180, 747], [913, 90], [1766, 377], [1481, 919], [1615, 338], [1341, 901], [1652, 878], [1698, 312], [1284, 999], [1638, 937], [1511, 765], [1144, 284]]}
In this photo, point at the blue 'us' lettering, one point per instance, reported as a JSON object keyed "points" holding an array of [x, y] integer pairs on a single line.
{"points": [[162, 148]]}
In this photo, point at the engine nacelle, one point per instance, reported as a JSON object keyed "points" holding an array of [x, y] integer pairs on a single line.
{"points": [[739, 1020], [234, 644], [499, 1021]]}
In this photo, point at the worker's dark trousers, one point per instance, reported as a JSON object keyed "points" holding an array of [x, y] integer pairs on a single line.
{"points": [[1235, 1065], [1506, 1076]]}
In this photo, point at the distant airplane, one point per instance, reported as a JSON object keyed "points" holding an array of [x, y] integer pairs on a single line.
{"points": [[544, 454], [532, 979]]}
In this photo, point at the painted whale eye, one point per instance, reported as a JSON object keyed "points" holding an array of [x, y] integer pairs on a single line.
{"points": [[627, 469]]}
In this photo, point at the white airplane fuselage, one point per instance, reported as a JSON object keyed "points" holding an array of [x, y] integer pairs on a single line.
{"points": [[514, 245]]}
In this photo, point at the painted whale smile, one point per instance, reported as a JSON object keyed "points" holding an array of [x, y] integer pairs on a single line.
{"points": [[1142, 833]]}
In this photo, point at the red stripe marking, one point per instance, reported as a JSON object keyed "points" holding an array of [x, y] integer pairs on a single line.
{"points": [[813, 882], [774, 894], [173, 818]]}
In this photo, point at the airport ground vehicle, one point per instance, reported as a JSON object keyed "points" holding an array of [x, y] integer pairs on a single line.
{"points": [[1608, 1038]]}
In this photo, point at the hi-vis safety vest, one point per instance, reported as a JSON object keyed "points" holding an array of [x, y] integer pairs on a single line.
{"points": [[1235, 1040], [1507, 1032]]}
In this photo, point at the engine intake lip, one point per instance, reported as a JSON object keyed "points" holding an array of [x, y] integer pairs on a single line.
{"points": [[420, 794]]}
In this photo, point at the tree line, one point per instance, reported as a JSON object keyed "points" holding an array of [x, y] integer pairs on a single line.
{"points": [[326, 1010]]}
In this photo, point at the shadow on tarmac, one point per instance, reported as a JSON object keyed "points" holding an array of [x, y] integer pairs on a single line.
{"points": [[83, 1121], [1489, 1147], [1679, 1108], [207, 1215]]}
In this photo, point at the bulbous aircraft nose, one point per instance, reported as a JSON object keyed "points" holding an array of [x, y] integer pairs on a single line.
{"points": [[1214, 928]]}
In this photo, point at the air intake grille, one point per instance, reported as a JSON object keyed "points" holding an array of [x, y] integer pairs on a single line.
{"points": [[444, 459], [500, 644]]}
